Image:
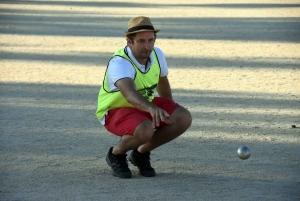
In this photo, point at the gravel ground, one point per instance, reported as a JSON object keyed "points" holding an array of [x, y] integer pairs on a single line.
{"points": [[234, 64]]}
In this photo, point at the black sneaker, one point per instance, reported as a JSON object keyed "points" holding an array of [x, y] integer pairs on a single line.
{"points": [[118, 164], [142, 161]]}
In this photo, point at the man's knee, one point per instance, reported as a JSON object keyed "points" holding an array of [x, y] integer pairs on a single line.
{"points": [[182, 116], [144, 131]]}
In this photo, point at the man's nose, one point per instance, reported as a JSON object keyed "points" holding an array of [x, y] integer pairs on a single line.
{"points": [[147, 45]]}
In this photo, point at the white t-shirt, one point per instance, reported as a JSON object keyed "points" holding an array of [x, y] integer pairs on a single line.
{"points": [[119, 68]]}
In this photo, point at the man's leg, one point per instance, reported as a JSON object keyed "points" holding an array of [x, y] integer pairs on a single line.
{"points": [[140, 131], [181, 120], [142, 134], [144, 139]]}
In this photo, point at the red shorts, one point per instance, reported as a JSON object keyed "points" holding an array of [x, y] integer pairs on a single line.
{"points": [[123, 121]]}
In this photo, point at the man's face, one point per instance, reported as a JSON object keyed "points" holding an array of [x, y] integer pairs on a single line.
{"points": [[142, 45]]}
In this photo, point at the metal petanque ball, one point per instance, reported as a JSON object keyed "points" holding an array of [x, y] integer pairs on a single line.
{"points": [[243, 152]]}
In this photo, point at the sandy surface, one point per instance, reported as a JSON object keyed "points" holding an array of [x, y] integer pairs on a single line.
{"points": [[234, 64]]}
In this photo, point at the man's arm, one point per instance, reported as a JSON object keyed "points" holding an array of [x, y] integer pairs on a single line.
{"points": [[163, 88], [128, 89]]}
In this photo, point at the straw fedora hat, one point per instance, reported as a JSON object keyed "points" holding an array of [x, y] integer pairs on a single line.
{"points": [[140, 24]]}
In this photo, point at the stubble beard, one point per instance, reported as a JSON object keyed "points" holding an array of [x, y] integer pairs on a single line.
{"points": [[142, 55]]}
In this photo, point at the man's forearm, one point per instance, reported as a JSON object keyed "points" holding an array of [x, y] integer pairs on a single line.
{"points": [[138, 101]]}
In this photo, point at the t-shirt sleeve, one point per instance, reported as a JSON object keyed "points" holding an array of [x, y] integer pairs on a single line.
{"points": [[119, 68], [162, 61]]}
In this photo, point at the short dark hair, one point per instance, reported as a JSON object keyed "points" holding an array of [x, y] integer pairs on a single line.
{"points": [[132, 36]]}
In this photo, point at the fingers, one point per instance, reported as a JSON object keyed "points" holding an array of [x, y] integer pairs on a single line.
{"points": [[167, 121], [157, 119], [166, 118], [160, 116]]}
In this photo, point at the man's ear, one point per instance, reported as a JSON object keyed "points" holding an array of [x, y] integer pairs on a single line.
{"points": [[128, 41]]}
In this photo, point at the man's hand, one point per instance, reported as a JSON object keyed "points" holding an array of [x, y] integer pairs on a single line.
{"points": [[128, 89], [158, 115]]}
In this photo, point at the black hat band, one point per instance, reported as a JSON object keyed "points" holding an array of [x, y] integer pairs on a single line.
{"points": [[140, 28]]}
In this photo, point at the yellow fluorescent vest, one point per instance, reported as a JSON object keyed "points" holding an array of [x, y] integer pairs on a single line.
{"points": [[145, 84]]}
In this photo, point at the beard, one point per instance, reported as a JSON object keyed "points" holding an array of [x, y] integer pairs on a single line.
{"points": [[144, 54]]}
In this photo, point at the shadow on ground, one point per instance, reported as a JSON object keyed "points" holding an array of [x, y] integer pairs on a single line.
{"points": [[52, 128], [85, 24]]}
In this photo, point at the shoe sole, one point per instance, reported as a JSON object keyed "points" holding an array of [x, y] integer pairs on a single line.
{"points": [[115, 174]]}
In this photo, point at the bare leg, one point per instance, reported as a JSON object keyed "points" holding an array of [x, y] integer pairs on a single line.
{"points": [[142, 134], [146, 139], [181, 120]]}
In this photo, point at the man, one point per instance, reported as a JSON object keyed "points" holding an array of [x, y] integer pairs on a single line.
{"points": [[127, 106]]}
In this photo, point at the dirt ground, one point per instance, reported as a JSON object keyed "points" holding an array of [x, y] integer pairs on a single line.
{"points": [[234, 64]]}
